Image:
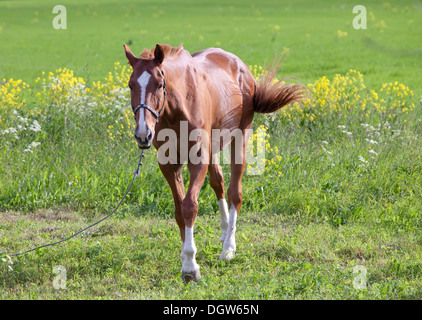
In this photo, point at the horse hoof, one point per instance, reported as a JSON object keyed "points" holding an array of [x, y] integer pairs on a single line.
{"points": [[227, 256], [191, 276]]}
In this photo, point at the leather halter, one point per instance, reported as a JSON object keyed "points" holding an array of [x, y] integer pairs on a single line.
{"points": [[145, 106]]}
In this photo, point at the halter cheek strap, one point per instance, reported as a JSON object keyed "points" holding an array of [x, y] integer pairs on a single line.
{"points": [[147, 107]]}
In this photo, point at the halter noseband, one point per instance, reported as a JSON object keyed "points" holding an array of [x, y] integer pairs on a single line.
{"points": [[145, 106]]}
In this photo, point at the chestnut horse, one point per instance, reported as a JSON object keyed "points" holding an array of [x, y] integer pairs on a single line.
{"points": [[210, 89]]}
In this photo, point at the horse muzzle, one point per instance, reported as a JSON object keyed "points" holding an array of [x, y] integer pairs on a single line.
{"points": [[142, 145], [144, 142]]}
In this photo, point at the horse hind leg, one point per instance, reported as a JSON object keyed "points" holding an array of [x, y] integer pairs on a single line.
{"points": [[234, 196], [217, 183]]}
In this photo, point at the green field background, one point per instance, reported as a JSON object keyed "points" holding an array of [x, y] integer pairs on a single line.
{"points": [[343, 172], [389, 49]]}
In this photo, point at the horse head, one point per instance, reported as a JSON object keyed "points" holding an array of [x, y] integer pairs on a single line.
{"points": [[147, 85]]}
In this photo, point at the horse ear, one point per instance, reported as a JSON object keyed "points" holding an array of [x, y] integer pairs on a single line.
{"points": [[130, 56], [159, 54]]}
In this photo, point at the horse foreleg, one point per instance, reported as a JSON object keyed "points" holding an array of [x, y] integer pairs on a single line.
{"points": [[173, 175], [190, 269]]}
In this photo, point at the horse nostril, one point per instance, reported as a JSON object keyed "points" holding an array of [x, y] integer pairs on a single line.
{"points": [[143, 139]]}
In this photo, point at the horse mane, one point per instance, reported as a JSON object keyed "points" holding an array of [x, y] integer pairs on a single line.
{"points": [[169, 51]]}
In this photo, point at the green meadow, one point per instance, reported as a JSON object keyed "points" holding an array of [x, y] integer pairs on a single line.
{"points": [[341, 190], [305, 31]]}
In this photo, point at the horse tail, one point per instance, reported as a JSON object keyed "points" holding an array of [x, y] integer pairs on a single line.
{"points": [[272, 95]]}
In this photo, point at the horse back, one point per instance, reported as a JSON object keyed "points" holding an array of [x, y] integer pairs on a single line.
{"points": [[231, 87]]}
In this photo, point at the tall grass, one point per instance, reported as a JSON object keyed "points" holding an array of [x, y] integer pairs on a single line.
{"points": [[342, 168], [67, 143]]}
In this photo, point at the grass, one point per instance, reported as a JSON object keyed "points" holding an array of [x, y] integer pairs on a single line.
{"points": [[277, 258], [342, 180]]}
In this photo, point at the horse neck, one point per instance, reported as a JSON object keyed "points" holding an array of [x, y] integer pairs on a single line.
{"points": [[174, 70]]}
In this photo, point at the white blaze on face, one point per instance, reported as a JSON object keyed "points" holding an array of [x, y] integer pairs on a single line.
{"points": [[143, 82]]}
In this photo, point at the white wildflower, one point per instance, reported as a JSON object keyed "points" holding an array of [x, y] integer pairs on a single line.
{"points": [[371, 141], [32, 145], [373, 152], [386, 125], [326, 150], [362, 159], [35, 126], [24, 120], [11, 131]]}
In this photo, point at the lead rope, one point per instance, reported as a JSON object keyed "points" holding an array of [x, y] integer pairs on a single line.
{"points": [[135, 175]]}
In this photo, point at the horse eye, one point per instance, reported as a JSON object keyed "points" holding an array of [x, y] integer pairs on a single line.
{"points": [[130, 87], [160, 86]]}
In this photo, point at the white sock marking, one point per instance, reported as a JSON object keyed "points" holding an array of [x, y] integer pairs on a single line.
{"points": [[229, 246], [188, 252], [224, 217]]}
